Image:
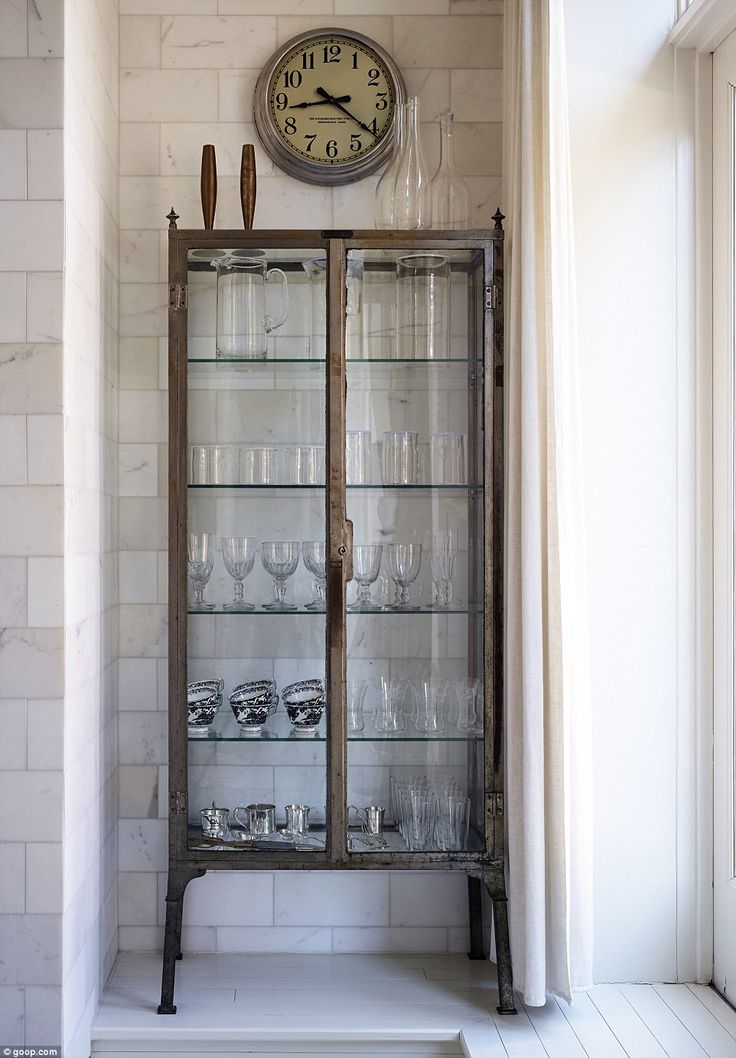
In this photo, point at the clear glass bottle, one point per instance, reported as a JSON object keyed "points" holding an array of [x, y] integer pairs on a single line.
{"points": [[411, 208], [450, 198], [384, 207]]}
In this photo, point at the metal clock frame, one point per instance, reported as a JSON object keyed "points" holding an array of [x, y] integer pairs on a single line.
{"points": [[484, 868], [301, 168]]}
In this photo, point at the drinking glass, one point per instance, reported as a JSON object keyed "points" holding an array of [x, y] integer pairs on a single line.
{"points": [[418, 808], [243, 325], [356, 697], [452, 822], [305, 465], [280, 559], [448, 459], [314, 557], [238, 554], [467, 697], [223, 465], [201, 465], [400, 457], [444, 557], [259, 466], [201, 559], [404, 561], [423, 307], [389, 716], [358, 457], [429, 707], [366, 566]]}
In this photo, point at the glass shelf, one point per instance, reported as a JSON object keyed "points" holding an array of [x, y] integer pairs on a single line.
{"points": [[278, 729], [350, 488], [424, 611], [316, 361], [263, 488]]}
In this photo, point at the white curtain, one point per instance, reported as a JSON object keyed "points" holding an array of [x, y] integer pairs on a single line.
{"points": [[548, 744]]}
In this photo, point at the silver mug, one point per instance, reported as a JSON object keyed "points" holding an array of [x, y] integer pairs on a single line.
{"points": [[215, 821], [259, 819], [371, 818]]}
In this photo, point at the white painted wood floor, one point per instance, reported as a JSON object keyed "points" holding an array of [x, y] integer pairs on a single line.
{"points": [[391, 1005]]}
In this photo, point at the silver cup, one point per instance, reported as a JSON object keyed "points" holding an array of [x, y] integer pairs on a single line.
{"points": [[215, 821], [297, 820], [259, 820]]}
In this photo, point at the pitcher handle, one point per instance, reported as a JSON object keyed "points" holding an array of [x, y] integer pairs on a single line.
{"points": [[269, 323], [244, 825]]}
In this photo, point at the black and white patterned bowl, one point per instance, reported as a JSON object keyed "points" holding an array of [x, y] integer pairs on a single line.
{"points": [[304, 692], [204, 698], [252, 717], [253, 693], [305, 717]]}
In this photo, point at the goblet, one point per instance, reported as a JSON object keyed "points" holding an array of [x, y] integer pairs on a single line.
{"points": [[366, 566], [404, 561], [280, 559], [444, 557], [201, 559], [238, 554], [314, 557]]}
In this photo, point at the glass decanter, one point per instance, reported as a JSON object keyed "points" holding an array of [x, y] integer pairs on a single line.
{"points": [[448, 192], [384, 206], [411, 201]]}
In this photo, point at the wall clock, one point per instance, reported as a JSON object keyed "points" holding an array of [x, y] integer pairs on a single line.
{"points": [[324, 105]]}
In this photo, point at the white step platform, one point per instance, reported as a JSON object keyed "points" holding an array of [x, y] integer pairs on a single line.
{"points": [[391, 1005]]}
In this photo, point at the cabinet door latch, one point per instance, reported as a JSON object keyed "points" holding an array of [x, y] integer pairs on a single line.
{"points": [[178, 296], [496, 803], [178, 803], [492, 296]]}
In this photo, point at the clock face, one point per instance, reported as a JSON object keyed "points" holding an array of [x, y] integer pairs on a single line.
{"points": [[325, 105]]}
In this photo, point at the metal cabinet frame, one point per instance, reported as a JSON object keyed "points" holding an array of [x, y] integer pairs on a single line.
{"points": [[484, 868]]}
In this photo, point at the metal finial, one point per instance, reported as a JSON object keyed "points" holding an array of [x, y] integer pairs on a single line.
{"points": [[172, 218], [498, 217]]}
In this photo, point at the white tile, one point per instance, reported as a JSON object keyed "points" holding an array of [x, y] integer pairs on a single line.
{"points": [[142, 737], [13, 28], [30, 379], [230, 898], [232, 41], [139, 258], [275, 7], [31, 520], [45, 28], [13, 726], [141, 938], [138, 470], [44, 306], [45, 734], [44, 894], [143, 845], [378, 27], [32, 234], [139, 149], [274, 939], [13, 448], [236, 94], [137, 898], [388, 7], [475, 95], [143, 308], [432, 87], [13, 598], [142, 524], [327, 899], [463, 42], [12, 1013], [140, 41], [32, 806], [143, 417], [31, 94], [45, 164], [12, 305], [168, 7], [12, 877], [428, 899], [168, 95], [138, 792], [163, 791], [420, 939], [45, 439], [138, 363], [45, 592], [35, 941], [12, 158], [138, 576], [476, 7], [31, 662], [137, 683], [181, 147], [43, 1015]]}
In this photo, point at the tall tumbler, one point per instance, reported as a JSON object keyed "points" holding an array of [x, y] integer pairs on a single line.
{"points": [[400, 457], [423, 307], [358, 457]]}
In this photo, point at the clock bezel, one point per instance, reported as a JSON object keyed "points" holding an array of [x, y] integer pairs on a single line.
{"points": [[314, 172]]}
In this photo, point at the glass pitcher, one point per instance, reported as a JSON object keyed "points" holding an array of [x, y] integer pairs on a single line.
{"points": [[243, 324], [317, 272]]}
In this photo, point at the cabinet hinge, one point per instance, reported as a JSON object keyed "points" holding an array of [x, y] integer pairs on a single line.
{"points": [[492, 296], [496, 800], [178, 803], [178, 296]]}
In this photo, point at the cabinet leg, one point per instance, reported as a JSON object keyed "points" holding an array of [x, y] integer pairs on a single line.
{"points": [[475, 918], [496, 885], [178, 881]]}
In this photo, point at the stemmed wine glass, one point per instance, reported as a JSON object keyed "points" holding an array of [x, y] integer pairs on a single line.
{"points": [[238, 554], [280, 559], [201, 559], [366, 566], [444, 558], [314, 557], [404, 561]]}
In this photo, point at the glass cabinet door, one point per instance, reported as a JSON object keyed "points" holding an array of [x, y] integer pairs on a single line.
{"points": [[415, 495], [256, 508]]}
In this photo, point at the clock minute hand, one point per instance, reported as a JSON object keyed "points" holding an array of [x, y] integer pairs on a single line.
{"points": [[320, 102], [331, 99]]}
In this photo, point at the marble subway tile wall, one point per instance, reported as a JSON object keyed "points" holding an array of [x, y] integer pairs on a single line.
{"points": [[31, 523], [187, 77]]}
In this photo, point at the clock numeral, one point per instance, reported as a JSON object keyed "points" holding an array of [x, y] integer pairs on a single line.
{"points": [[332, 148], [308, 60], [356, 144], [292, 79], [373, 76], [355, 60], [373, 126], [331, 53], [310, 141], [381, 97], [290, 126], [281, 101]]}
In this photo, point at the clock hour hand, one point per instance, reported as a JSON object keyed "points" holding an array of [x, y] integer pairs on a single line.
{"points": [[320, 102], [335, 102]]}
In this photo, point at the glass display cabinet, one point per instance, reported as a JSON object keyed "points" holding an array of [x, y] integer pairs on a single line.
{"points": [[336, 516]]}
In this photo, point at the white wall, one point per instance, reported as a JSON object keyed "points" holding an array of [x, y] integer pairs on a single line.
{"points": [[623, 168]]}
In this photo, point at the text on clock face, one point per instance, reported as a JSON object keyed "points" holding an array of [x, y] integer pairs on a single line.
{"points": [[331, 101]]}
